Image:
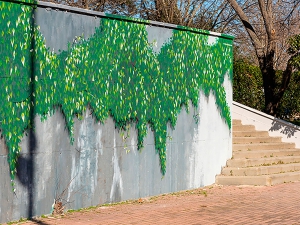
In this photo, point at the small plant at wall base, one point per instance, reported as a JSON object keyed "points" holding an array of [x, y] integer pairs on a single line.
{"points": [[115, 72]]}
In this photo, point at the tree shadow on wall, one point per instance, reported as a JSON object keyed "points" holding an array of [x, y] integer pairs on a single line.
{"points": [[287, 129], [25, 172]]}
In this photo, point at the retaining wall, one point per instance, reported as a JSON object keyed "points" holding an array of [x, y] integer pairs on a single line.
{"points": [[99, 108]]}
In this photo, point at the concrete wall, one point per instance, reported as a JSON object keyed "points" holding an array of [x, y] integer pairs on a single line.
{"points": [[264, 122], [104, 164]]}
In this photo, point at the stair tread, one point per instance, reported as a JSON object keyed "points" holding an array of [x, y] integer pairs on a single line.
{"points": [[264, 153], [259, 180], [260, 170], [249, 140], [271, 166], [271, 137], [263, 144], [250, 134], [266, 175], [268, 151], [265, 161], [266, 158]]}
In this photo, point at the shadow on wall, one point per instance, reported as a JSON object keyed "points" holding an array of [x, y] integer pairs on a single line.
{"points": [[284, 127], [25, 165], [25, 172]]}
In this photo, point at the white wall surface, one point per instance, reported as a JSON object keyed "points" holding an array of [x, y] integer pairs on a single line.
{"points": [[264, 122]]}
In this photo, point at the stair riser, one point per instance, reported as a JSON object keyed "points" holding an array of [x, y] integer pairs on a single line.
{"points": [[236, 122], [264, 154], [263, 170], [252, 147], [262, 161], [260, 181], [236, 128], [284, 179]]}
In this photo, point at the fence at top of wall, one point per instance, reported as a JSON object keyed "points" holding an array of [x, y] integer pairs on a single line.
{"points": [[115, 72]]}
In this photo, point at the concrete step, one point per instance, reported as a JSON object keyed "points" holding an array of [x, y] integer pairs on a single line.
{"points": [[262, 161], [250, 140], [250, 134], [262, 146], [243, 128], [242, 180], [261, 170], [258, 180], [265, 153], [236, 122], [284, 177]]}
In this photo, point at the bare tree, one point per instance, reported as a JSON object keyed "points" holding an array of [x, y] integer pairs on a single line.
{"points": [[268, 25], [206, 14], [120, 7], [214, 15]]}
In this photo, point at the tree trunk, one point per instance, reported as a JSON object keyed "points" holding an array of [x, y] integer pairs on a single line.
{"points": [[273, 92], [271, 101]]}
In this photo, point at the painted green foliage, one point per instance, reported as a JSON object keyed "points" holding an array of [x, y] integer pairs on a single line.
{"points": [[15, 70], [115, 73]]}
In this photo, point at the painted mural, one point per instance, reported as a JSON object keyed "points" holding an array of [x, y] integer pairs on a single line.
{"points": [[115, 72]]}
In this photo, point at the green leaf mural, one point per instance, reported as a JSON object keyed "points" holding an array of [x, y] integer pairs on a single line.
{"points": [[15, 72], [115, 72]]}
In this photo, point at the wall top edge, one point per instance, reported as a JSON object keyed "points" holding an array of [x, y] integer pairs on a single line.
{"points": [[61, 7], [265, 115]]}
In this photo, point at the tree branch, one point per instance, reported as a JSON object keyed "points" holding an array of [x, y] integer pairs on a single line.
{"points": [[249, 28], [266, 12]]}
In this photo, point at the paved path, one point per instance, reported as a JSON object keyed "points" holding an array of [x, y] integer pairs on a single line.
{"points": [[279, 204]]}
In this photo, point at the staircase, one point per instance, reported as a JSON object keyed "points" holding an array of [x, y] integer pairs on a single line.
{"points": [[259, 159]]}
